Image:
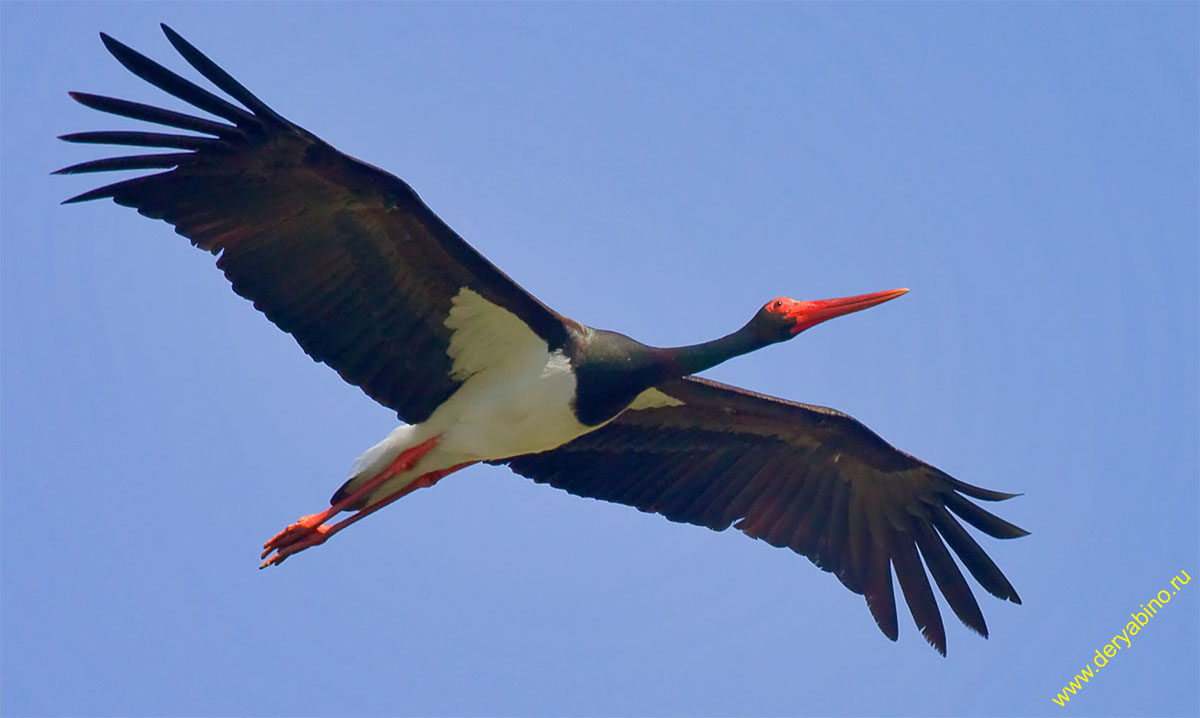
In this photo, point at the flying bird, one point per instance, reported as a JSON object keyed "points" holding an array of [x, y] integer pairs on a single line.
{"points": [[347, 259]]}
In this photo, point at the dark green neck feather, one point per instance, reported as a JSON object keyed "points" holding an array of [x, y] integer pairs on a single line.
{"points": [[611, 369], [695, 358]]}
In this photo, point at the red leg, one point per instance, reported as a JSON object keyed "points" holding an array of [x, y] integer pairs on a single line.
{"points": [[320, 533], [310, 531], [421, 482]]}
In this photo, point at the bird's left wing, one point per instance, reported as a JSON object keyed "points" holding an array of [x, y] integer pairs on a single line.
{"points": [[803, 477], [340, 254]]}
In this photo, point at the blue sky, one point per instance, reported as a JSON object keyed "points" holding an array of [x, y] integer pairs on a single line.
{"points": [[1029, 171]]}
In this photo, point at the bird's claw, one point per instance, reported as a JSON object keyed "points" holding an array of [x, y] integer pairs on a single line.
{"points": [[305, 533]]}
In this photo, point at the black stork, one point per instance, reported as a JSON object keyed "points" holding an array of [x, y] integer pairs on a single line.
{"points": [[350, 261]]}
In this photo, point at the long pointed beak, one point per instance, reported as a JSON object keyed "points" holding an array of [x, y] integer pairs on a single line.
{"points": [[811, 313]]}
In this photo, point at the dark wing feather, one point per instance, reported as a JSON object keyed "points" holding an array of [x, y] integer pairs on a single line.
{"points": [[805, 477], [342, 255]]}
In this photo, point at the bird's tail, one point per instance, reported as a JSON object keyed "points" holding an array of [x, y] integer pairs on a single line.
{"points": [[374, 460]]}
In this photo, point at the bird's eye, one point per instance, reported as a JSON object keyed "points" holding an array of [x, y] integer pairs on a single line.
{"points": [[777, 304]]}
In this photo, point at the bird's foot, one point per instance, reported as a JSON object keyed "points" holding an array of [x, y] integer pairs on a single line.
{"points": [[312, 530], [305, 533]]}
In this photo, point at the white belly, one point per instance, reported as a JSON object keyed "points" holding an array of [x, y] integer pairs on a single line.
{"points": [[515, 398], [518, 408]]}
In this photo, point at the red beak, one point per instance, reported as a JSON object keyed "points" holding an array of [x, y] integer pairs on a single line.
{"points": [[812, 313]]}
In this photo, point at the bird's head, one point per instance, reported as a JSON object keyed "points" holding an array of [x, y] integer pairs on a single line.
{"points": [[783, 318]]}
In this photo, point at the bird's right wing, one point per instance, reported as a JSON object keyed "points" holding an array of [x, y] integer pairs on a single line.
{"points": [[804, 477], [342, 255]]}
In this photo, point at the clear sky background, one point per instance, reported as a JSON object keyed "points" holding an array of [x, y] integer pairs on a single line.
{"points": [[1028, 170]]}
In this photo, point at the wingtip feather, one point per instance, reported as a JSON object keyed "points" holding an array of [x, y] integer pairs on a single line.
{"points": [[939, 647], [978, 492], [217, 75], [82, 198], [172, 36], [113, 45], [985, 521]]}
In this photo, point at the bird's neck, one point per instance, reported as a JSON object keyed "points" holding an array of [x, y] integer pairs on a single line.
{"points": [[696, 358]]}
